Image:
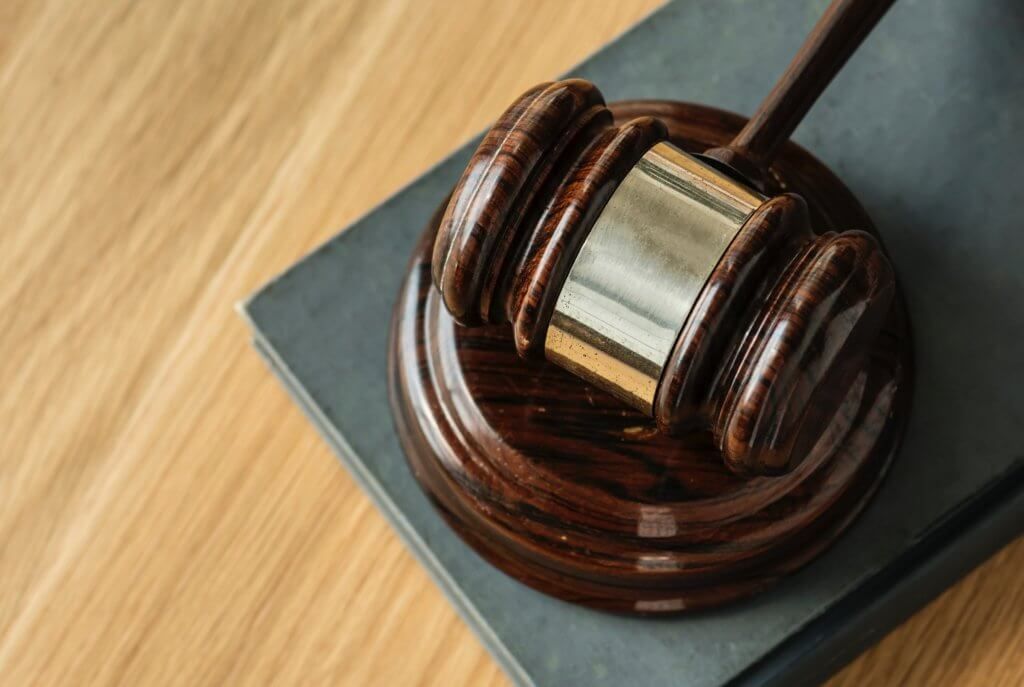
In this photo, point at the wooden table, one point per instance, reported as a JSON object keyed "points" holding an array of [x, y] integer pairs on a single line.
{"points": [[166, 513]]}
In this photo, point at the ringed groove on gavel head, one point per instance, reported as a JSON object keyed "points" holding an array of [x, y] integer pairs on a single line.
{"points": [[657, 277], [490, 200]]}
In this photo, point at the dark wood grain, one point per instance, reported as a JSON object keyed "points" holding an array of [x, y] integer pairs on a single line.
{"points": [[570, 491], [526, 201], [723, 313], [821, 318], [565, 222], [511, 164], [782, 314]]}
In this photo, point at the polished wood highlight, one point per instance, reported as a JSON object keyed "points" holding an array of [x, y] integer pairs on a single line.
{"points": [[194, 151], [517, 158], [785, 311], [572, 492]]}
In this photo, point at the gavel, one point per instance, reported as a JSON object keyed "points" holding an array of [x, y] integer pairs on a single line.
{"points": [[722, 285], [690, 286]]}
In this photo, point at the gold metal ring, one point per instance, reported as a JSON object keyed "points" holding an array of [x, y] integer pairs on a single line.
{"points": [[641, 269]]}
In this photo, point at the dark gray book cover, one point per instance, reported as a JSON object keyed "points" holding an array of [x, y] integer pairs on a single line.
{"points": [[924, 124]]}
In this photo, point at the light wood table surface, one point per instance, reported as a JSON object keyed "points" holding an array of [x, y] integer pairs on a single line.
{"points": [[167, 516]]}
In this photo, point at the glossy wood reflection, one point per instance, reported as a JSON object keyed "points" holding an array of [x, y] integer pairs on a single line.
{"points": [[565, 488], [783, 307]]}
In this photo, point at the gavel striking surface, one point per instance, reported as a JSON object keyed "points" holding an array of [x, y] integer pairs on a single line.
{"points": [[570, 491]]}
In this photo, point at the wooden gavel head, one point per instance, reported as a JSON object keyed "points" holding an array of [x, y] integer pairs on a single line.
{"points": [[658, 276]]}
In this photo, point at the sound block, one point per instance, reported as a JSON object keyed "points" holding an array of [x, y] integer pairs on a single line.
{"points": [[575, 494]]}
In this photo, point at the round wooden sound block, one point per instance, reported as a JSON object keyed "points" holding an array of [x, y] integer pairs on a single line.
{"points": [[570, 491]]}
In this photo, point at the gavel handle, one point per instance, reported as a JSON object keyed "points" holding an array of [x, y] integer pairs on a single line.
{"points": [[834, 38]]}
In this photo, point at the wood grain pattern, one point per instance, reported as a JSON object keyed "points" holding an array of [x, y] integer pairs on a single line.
{"points": [[520, 153], [159, 161], [785, 312], [572, 492], [745, 274]]}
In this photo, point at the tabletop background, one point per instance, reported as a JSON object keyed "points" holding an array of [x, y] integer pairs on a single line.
{"points": [[167, 515]]}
